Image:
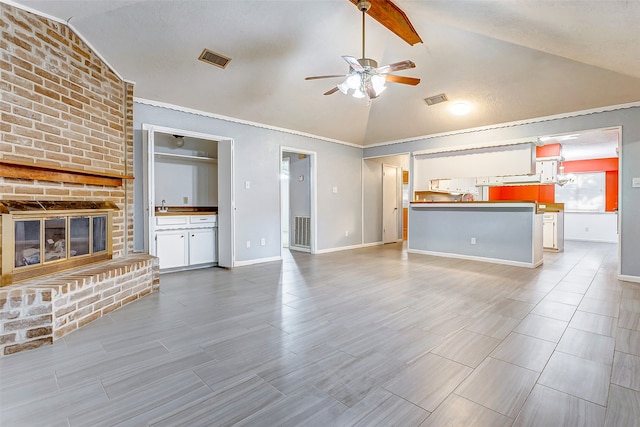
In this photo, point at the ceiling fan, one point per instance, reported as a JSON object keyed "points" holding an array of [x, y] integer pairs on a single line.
{"points": [[364, 77]]}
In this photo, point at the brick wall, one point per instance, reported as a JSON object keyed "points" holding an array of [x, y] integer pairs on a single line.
{"points": [[61, 105], [39, 311]]}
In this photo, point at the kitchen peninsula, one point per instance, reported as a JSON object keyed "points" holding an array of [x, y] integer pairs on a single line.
{"points": [[499, 232]]}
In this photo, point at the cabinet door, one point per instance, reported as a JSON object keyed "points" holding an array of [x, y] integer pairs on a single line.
{"points": [[201, 246], [171, 248], [549, 236]]}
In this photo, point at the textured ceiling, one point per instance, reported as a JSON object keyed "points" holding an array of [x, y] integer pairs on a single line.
{"points": [[511, 59]]}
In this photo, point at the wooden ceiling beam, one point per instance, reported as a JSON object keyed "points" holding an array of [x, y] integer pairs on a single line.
{"points": [[393, 18]]}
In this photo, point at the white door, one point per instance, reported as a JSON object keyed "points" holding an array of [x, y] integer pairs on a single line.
{"points": [[390, 175], [201, 246], [171, 248]]}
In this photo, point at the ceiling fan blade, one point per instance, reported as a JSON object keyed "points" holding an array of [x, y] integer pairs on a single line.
{"points": [[402, 79], [396, 66], [325, 77], [330, 91], [353, 63], [392, 17]]}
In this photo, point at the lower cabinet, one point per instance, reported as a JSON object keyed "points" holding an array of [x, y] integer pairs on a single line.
{"points": [[186, 241], [553, 231], [171, 248]]}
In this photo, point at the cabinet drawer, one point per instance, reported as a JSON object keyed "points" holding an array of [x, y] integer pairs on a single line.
{"points": [[171, 220], [203, 219]]}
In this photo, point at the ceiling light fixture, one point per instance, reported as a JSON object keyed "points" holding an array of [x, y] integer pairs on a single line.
{"points": [[179, 140], [460, 108]]}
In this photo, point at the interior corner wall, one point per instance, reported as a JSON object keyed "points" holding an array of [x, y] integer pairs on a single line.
{"points": [[627, 118], [257, 160]]}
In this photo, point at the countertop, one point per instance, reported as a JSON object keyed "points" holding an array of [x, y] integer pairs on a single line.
{"points": [[187, 210]]}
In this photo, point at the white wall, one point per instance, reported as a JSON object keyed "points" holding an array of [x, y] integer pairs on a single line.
{"points": [[257, 160], [591, 227]]}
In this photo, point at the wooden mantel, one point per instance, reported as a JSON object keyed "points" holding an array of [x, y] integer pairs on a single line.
{"points": [[24, 170]]}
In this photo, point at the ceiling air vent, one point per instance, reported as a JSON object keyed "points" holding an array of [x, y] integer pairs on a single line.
{"points": [[437, 99], [210, 57]]}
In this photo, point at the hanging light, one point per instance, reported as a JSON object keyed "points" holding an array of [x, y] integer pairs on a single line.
{"points": [[562, 179], [378, 83]]}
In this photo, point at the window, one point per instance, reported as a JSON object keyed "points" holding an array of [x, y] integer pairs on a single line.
{"points": [[585, 192]]}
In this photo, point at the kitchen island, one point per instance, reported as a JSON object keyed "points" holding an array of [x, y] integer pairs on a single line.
{"points": [[499, 232]]}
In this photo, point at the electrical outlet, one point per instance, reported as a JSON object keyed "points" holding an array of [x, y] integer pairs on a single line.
{"points": [[263, 241], [248, 243], [247, 185], [473, 240], [185, 200], [346, 233], [335, 189]]}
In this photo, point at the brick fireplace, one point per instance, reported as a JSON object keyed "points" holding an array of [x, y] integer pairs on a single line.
{"points": [[66, 136]]}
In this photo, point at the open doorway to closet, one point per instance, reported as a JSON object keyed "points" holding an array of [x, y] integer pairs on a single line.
{"points": [[297, 199]]}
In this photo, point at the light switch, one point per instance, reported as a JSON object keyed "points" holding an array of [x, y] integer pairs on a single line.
{"points": [[635, 182], [335, 189], [247, 185]]}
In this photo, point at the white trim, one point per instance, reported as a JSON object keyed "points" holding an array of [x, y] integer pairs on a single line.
{"points": [[72, 28], [626, 278], [298, 249], [346, 248], [519, 141], [509, 124], [257, 261], [240, 121], [591, 240], [476, 258]]}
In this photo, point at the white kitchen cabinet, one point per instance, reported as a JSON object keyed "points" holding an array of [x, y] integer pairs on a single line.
{"points": [[202, 246], [186, 240], [553, 231], [171, 248], [548, 170]]}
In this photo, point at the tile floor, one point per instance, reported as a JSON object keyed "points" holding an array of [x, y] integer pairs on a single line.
{"points": [[366, 337]]}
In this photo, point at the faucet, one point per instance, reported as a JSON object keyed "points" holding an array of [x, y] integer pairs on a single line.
{"points": [[163, 208], [466, 197]]}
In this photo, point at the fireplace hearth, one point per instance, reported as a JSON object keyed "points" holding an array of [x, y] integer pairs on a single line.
{"points": [[44, 237]]}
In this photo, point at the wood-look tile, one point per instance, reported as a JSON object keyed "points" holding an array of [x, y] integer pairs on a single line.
{"points": [[548, 407], [147, 403], [554, 310], [500, 386], [308, 407], [428, 381], [603, 307], [493, 325], [382, 408], [596, 323], [511, 308], [525, 351], [542, 327], [623, 408], [575, 287], [527, 295], [626, 370], [466, 347], [229, 406], [587, 345], [12, 394], [564, 297], [628, 341], [578, 377], [458, 411], [629, 320]]}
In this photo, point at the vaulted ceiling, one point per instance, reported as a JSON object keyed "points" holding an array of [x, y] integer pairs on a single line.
{"points": [[509, 59]]}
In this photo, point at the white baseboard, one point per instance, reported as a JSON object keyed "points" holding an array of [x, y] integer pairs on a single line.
{"points": [[340, 248], [626, 278], [591, 240], [257, 261], [477, 258]]}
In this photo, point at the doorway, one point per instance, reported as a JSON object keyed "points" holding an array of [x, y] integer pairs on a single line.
{"points": [[390, 188], [298, 200]]}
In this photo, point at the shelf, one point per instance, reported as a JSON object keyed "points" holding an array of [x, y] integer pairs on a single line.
{"points": [[185, 157], [39, 172]]}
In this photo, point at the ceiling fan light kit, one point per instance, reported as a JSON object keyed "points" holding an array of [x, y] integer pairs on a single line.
{"points": [[365, 78]]}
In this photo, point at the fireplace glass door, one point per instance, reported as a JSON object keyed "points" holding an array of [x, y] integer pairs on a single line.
{"points": [[27, 240], [99, 233], [55, 239], [79, 236]]}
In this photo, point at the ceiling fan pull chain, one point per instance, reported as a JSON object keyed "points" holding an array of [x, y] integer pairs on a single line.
{"points": [[363, 12]]}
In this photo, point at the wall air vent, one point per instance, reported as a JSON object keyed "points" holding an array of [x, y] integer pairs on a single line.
{"points": [[210, 57], [436, 99]]}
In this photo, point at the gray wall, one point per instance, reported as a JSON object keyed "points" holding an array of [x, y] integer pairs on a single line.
{"points": [[257, 159], [628, 118]]}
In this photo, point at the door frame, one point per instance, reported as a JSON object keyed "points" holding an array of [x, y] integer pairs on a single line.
{"points": [[313, 191], [226, 212]]}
